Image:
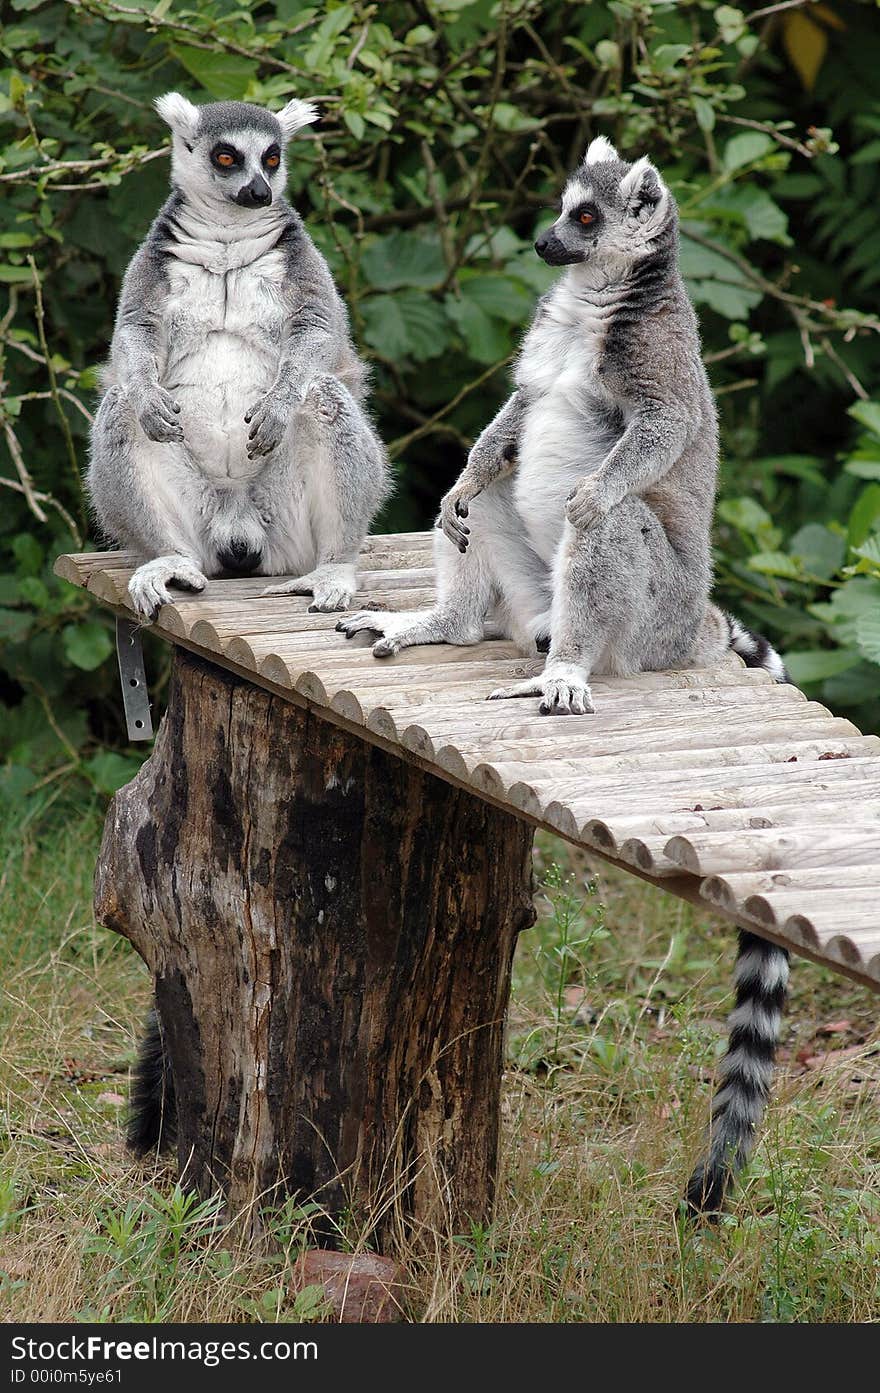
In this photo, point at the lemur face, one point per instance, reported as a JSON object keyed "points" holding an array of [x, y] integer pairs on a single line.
{"points": [[231, 153], [610, 211]]}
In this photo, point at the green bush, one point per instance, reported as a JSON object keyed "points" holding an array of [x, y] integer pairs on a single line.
{"points": [[448, 126]]}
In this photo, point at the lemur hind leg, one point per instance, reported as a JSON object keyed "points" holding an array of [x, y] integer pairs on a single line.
{"points": [[495, 566], [621, 604], [336, 460], [149, 500]]}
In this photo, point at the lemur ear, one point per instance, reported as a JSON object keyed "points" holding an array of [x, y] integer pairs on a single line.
{"points": [[296, 115], [642, 189], [599, 151], [180, 114]]}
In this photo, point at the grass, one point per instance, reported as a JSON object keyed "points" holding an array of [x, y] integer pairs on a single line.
{"points": [[616, 1021]]}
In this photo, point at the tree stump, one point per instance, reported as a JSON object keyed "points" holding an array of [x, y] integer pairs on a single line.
{"points": [[330, 930]]}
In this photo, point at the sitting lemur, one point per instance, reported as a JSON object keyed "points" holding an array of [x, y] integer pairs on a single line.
{"points": [[231, 436], [589, 502]]}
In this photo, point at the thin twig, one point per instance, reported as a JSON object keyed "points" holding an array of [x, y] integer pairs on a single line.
{"points": [[53, 385], [103, 9], [847, 372], [741, 386], [27, 484], [47, 498], [403, 441], [770, 131], [777, 9], [35, 171]]}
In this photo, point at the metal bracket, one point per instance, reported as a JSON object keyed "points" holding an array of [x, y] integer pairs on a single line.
{"points": [[135, 697]]}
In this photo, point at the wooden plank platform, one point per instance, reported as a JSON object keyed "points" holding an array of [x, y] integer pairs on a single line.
{"points": [[721, 786]]}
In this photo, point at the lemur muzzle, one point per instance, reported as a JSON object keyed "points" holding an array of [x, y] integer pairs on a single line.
{"points": [[256, 194]]}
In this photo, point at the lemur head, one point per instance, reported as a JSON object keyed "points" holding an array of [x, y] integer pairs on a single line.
{"points": [[610, 212], [231, 152]]}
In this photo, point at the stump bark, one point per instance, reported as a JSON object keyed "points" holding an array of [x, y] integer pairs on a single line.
{"points": [[330, 931]]}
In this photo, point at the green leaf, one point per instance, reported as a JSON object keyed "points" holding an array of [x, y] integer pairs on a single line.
{"points": [[798, 466], [863, 468], [849, 603], [15, 275], [774, 563], [870, 550], [406, 325], [815, 665], [704, 112], [86, 645], [508, 117], [731, 23], [15, 625], [864, 515], [404, 259], [763, 219], [667, 55], [717, 282], [867, 413], [225, 76], [868, 637], [499, 296], [28, 553], [745, 514], [487, 342], [820, 550], [16, 781], [356, 123], [108, 771], [744, 149]]}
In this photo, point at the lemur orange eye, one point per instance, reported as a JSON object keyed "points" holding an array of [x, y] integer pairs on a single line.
{"points": [[225, 159], [587, 218], [273, 161]]}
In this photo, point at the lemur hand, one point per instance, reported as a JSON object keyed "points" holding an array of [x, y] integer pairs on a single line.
{"points": [[158, 415], [589, 502], [455, 507], [268, 420]]}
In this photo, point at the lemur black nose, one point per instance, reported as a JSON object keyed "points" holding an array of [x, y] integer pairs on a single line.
{"points": [[541, 244], [256, 194], [239, 557]]}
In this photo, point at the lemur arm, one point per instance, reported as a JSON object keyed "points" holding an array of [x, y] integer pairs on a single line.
{"points": [[136, 345], [492, 456], [318, 324], [648, 448]]}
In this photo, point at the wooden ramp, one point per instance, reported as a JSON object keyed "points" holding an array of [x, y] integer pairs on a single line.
{"points": [[729, 790]]}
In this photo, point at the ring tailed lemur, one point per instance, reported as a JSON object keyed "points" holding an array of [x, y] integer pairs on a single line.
{"points": [[589, 505], [231, 435]]}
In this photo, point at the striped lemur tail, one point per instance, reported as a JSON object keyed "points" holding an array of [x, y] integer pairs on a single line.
{"points": [[754, 649], [761, 978], [746, 1071], [152, 1116]]}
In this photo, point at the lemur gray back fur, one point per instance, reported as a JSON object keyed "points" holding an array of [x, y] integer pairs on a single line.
{"points": [[231, 435]]}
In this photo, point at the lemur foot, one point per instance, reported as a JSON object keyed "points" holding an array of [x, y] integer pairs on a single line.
{"points": [[332, 588], [408, 629], [148, 587], [563, 693], [390, 625]]}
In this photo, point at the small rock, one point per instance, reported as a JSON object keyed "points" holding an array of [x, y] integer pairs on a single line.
{"points": [[362, 1288], [112, 1100]]}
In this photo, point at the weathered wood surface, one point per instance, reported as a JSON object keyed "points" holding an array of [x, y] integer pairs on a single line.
{"points": [[330, 932], [700, 780]]}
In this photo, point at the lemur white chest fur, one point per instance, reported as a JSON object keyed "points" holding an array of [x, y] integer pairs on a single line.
{"points": [[568, 428], [223, 331]]}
